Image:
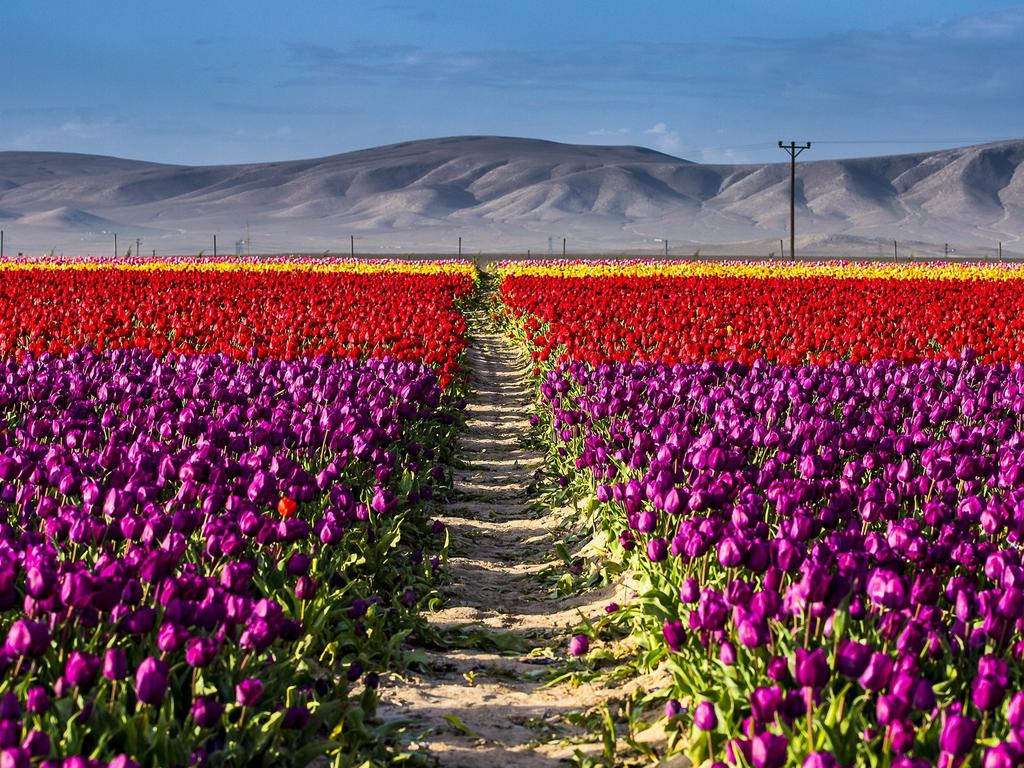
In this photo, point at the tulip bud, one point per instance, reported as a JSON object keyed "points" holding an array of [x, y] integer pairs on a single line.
{"points": [[768, 750], [36, 743], [821, 760], [15, 757], [674, 634], [957, 737], [206, 711], [248, 692], [28, 638], [115, 664], [81, 668], [987, 693], [579, 645], [657, 550], [727, 653], [151, 681], [704, 716], [305, 588], [37, 701], [10, 733], [10, 707], [810, 668], [1002, 755]]}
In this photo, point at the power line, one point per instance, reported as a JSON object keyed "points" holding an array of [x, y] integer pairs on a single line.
{"points": [[793, 149], [911, 141], [765, 144]]}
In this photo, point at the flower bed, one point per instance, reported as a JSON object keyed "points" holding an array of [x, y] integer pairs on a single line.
{"points": [[276, 309], [207, 557], [828, 556], [797, 315]]}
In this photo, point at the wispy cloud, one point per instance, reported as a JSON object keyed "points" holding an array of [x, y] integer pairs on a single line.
{"points": [[1003, 24], [976, 57], [72, 131], [664, 138]]}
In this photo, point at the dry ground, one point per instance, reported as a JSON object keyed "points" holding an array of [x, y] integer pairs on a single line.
{"points": [[480, 708]]}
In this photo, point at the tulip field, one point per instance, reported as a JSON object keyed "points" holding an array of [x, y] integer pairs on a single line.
{"points": [[222, 482], [814, 476], [216, 480]]}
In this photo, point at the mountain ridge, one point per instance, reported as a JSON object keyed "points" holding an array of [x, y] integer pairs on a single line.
{"points": [[507, 193]]}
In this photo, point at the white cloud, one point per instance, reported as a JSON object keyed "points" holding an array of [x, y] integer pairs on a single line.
{"points": [[608, 132], [723, 156], [665, 138]]}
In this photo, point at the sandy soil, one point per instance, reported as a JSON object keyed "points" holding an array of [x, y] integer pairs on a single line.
{"points": [[480, 708]]}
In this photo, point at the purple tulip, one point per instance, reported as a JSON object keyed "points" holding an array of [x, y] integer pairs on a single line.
{"points": [[10, 733], [1002, 755], [767, 750], [15, 757], [115, 664], [206, 711], [852, 658], [957, 738], [765, 704], [657, 550], [151, 681], [887, 589], [877, 672], [295, 718], [27, 638], [579, 645], [704, 716], [248, 692], [820, 760], [810, 668], [674, 635], [200, 651], [10, 707], [305, 589], [37, 701], [727, 653], [36, 743], [1015, 711], [81, 668], [987, 693]]}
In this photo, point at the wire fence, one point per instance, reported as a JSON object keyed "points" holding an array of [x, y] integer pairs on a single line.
{"points": [[270, 244]]}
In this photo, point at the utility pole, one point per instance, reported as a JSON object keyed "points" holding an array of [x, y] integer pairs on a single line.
{"points": [[215, 246], [782, 250], [115, 245], [666, 249], [460, 246], [2, 247], [352, 245], [563, 247], [2, 244], [138, 246], [895, 253], [793, 149], [946, 250]]}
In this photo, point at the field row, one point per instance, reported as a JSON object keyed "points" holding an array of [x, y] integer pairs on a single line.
{"points": [[817, 481], [217, 483]]}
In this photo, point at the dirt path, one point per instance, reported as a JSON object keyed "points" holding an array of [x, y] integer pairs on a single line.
{"points": [[479, 708]]}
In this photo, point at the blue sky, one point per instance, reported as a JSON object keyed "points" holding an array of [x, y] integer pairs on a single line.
{"points": [[714, 81]]}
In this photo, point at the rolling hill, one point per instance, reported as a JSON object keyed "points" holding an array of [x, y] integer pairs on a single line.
{"points": [[509, 194]]}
